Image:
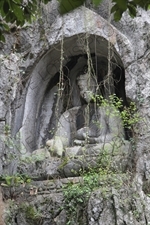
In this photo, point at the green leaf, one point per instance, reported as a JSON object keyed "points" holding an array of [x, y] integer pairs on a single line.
{"points": [[122, 4], [132, 10], [10, 18], [114, 8], [8, 180], [18, 1], [26, 11], [6, 27], [32, 7], [6, 7], [117, 15], [2, 38], [68, 5], [28, 181], [2, 13], [1, 6], [18, 11], [132, 3], [96, 2]]}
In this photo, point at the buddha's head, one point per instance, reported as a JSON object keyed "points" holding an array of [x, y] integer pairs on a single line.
{"points": [[87, 86]]}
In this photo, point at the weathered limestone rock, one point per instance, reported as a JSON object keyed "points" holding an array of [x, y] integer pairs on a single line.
{"points": [[2, 209], [127, 209], [106, 205], [40, 165]]}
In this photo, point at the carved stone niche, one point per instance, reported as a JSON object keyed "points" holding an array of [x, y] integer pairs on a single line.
{"points": [[44, 101], [52, 88]]}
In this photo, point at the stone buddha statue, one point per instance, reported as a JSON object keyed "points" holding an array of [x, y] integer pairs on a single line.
{"points": [[90, 124]]}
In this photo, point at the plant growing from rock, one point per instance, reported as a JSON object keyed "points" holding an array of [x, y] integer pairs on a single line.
{"points": [[16, 211]]}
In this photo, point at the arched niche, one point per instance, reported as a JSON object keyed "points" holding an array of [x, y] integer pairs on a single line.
{"points": [[37, 118]]}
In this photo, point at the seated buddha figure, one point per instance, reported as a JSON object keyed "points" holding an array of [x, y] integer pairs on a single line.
{"points": [[89, 124]]}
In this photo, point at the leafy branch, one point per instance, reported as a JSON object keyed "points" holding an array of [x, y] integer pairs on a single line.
{"points": [[18, 12]]}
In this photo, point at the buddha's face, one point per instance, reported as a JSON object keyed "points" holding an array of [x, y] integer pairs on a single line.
{"points": [[87, 86]]}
